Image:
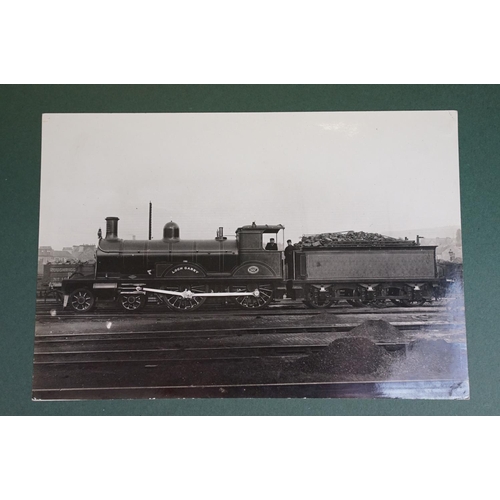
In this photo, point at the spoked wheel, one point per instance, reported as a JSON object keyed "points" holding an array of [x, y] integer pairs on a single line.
{"points": [[82, 300], [132, 302], [397, 291], [180, 304], [381, 297], [414, 299], [380, 303], [318, 298], [413, 303], [251, 302], [355, 300], [356, 303], [397, 302]]}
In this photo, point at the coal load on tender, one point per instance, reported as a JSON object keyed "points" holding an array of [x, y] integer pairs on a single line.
{"points": [[329, 240]]}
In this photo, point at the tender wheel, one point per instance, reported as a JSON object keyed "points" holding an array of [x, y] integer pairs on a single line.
{"points": [[380, 303], [355, 303], [410, 303], [353, 298], [82, 300], [414, 298], [180, 304], [396, 302], [396, 291], [251, 302], [318, 299], [132, 302], [356, 300]]}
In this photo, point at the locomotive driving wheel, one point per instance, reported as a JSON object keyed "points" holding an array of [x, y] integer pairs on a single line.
{"points": [[181, 304], [132, 302], [82, 300], [265, 296]]}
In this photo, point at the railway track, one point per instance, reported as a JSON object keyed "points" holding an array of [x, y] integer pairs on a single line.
{"points": [[48, 312], [200, 356], [186, 345], [447, 388], [206, 353], [211, 333], [199, 345]]}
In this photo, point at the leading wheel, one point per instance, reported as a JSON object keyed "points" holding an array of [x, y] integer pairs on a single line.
{"points": [[265, 296], [132, 302], [82, 300], [180, 304]]}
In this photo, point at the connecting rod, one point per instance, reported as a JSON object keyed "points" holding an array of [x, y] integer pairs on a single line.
{"points": [[188, 294]]}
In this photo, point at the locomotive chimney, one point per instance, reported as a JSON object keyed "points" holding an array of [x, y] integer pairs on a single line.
{"points": [[112, 228]]}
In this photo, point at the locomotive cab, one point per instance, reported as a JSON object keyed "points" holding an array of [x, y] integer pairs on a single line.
{"points": [[251, 248], [252, 237]]}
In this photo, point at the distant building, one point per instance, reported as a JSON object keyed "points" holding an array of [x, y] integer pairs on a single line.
{"points": [[60, 256], [45, 255], [45, 251], [451, 253], [81, 253], [84, 253]]}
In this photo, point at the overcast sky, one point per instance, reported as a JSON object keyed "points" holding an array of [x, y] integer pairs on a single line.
{"points": [[312, 172]]}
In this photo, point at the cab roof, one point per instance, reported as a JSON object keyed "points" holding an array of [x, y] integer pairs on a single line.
{"points": [[260, 228]]}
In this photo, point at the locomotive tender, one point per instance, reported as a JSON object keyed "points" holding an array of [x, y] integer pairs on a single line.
{"points": [[182, 274]]}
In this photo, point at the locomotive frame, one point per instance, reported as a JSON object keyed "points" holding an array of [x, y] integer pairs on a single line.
{"points": [[182, 274]]}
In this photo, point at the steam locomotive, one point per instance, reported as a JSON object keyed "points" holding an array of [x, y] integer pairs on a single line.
{"points": [[183, 274]]}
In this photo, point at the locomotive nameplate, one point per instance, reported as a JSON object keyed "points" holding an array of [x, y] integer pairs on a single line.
{"points": [[185, 268], [253, 269]]}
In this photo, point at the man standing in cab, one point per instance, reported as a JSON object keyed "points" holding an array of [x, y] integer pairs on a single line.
{"points": [[289, 259], [271, 245]]}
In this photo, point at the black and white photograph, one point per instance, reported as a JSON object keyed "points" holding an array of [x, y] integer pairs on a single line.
{"points": [[250, 255]]}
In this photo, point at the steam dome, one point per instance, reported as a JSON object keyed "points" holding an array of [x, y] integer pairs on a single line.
{"points": [[171, 231]]}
